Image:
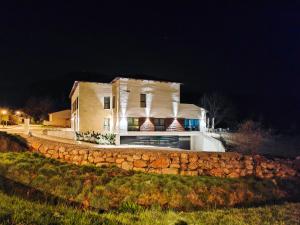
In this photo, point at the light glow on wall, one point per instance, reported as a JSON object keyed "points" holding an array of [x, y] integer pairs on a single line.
{"points": [[124, 95], [175, 104], [147, 125], [175, 126], [123, 124], [149, 98]]}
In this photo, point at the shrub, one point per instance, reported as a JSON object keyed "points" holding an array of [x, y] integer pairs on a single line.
{"points": [[249, 137], [97, 138], [130, 207]]}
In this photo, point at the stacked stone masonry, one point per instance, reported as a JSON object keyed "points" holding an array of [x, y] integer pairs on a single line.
{"points": [[169, 162]]}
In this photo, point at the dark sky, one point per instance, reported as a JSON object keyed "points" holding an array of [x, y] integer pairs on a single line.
{"points": [[248, 51]]}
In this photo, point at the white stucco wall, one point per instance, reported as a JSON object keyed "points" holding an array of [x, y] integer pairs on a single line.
{"points": [[91, 106], [161, 98], [203, 142]]}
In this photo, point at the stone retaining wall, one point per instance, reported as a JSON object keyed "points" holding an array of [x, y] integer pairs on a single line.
{"points": [[168, 162]]}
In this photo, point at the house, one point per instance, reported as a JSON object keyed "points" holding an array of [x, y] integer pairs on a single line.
{"points": [[140, 112], [59, 119]]}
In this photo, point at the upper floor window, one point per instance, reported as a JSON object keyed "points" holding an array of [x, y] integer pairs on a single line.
{"points": [[106, 102], [143, 100]]}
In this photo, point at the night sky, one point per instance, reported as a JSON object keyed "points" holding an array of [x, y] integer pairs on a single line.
{"points": [[247, 51]]}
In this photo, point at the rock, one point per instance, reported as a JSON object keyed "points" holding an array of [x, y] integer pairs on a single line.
{"points": [[174, 166], [138, 156], [127, 165], [193, 158], [139, 164], [110, 159], [98, 159], [216, 172], [169, 171], [161, 162], [83, 152], [233, 175], [193, 165], [91, 159], [189, 173], [120, 160], [145, 157], [184, 156]]}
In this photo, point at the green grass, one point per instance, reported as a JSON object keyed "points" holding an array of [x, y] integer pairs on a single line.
{"points": [[102, 189], [14, 210]]}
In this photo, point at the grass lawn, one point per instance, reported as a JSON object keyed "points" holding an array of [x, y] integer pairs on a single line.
{"points": [[38, 190], [14, 210], [102, 189]]}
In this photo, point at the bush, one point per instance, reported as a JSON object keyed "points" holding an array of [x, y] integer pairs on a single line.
{"points": [[249, 137], [97, 138]]}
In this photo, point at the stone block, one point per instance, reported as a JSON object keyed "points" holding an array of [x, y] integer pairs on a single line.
{"points": [[161, 162], [169, 171], [127, 165], [139, 163]]}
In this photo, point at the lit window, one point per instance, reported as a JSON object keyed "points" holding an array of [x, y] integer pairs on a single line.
{"points": [[143, 100], [106, 124], [106, 102], [133, 124], [191, 124]]}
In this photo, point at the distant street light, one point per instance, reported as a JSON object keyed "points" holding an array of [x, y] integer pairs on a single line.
{"points": [[18, 113], [4, 117]]}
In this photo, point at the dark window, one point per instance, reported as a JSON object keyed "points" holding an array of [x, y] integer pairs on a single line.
{"points": [[106, 102], [159, 124], [133, 124], [143, 100], [114, 102]]}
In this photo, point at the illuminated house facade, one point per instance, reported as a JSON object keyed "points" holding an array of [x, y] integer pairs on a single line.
{"points": [[139, 111]]}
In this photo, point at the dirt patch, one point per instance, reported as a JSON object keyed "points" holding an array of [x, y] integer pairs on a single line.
{"points": [[12, 143]]}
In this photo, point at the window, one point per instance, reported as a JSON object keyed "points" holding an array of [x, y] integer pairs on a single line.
{"points": [[143, 100], [133, 124], [159, 124], [106, 102], [191, 124], [107, 124], [114, 102]]}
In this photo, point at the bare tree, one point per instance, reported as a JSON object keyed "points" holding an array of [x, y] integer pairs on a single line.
{"points": [[219, 107], [249, 137]]}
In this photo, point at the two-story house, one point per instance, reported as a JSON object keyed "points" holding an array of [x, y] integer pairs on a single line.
{"points": [[140, 112]]}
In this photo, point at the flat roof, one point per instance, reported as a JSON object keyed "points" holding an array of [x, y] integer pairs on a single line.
{"points": [[119, 78], [141, 79], [76, 82]]}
